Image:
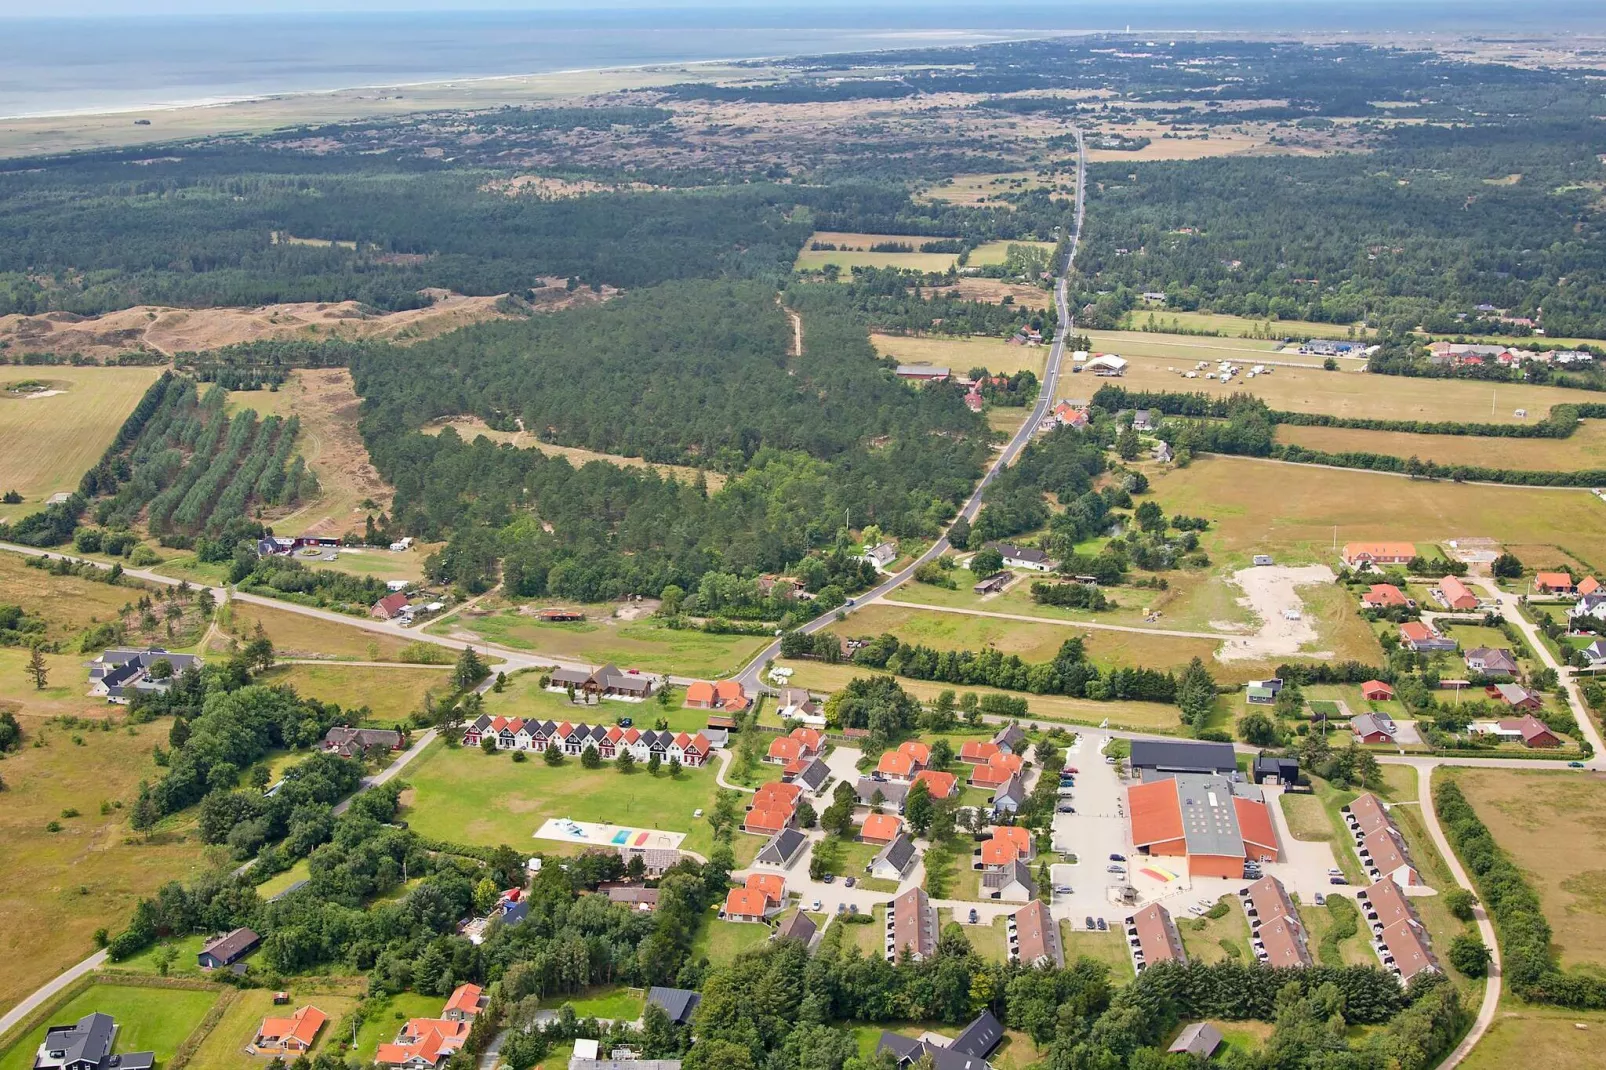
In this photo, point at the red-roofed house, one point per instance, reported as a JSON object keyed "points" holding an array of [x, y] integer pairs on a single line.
{"points": [[977, 751], [880, 829], [771, 885], [1533, 731], [1418, 636], [389, 607], [1588, 585], [810, 739], [1514, 695], [423, 1044], [766, 822], [745, 904], [989, 776], [1383, 595], [1378, 553], [916, 750], [784, 750], [941, 785], [731, 695], [700, 695], [293, 1034], [465, 1002], [896, 764], [1554, 583], [1069, 415], [1455, 595], [1377, 691]]}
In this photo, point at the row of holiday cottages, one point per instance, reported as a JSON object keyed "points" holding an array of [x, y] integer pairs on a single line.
{"points": [[609, 741]]}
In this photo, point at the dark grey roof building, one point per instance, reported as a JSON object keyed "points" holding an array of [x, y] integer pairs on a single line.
{"points": [[967, 1051], [678, 1003], [799, 927], [227, 949], [1182, 756], [87, 1045], [118, 675], [892, 792], [783, 848], [814, 776]]}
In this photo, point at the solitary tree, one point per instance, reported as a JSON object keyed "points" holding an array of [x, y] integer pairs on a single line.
{"points": [[552, 756], [38, 669], [470, 669]]}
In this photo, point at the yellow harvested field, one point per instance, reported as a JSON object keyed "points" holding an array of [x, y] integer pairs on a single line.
{"points": [[853, 250], [55, 422], [327, 403], [471, 427], [392, 693], [1295, 509], [993, 291], [962, 354], [296, 635], [1539, 1036], [1585, 448], [1158, 366], [1553, 824]]}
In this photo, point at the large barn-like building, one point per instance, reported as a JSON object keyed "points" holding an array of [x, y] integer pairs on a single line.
{"points": [[1215, 823]]}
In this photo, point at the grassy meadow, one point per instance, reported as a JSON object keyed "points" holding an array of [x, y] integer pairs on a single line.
{"points": [[48, 441], [810, 259], [296, 635], [224, 1047], [1585, 448], [391, 694], [962, 354]]}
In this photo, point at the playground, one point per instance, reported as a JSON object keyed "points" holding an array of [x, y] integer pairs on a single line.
{"points": [[602, 835]]}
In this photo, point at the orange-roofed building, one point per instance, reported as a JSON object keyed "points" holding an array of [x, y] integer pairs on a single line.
{"points": [[731, 695], [700, 695], [1378, 553], [1455, 595], [1020, 837], [1588, 585], [977, 751], [916, 750], [880, 829], [771, 885], [1383, 595], [745, 904], [989, 776], [784, 749], [423, 1043], [465, 1001], [996, 853], [1377, 691], [809, 739], [766, 822], [1215, 823], [295, 1033], [776, 796], [1553, 583], [896, 764], [940, 785]]}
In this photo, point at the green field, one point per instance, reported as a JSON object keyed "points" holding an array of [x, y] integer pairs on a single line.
{"points": [[148, 1019], [810, 259], [392, 693], [1236, 327], [298, 635], [721, 941], [962, 354], [1203, 937], [1106, 947], [1585, 448], [524, 697], [1539, 1036], [465, 795], [47, 443], [643, 644], [614, 1002], [224, 1047]]}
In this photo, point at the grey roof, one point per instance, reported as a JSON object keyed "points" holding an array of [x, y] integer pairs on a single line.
{"points": [[1367, 723], [230, 946], [783, 847], [679, 1003], [1200, 1038], [798, 927], [1019, 553], [350, 740], [87, 1040], [898, 854], [1010, 736], [980, 1037], [814, 775], [1209, 819], [123, 671], [1014, 789], [1016, 872], [892, 792], [1183, 756], [1494, 659], [908, 1052]]}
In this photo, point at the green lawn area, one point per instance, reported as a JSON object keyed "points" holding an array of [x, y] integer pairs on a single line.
{"points": [[1016, 1052], [721, 941], [1318, 921], [148, 1019], [643, 644], [871, 938], [949, 874], [280, 881], [1539, 1036], [988, 941], [1106, 947], [1324, 707], [607, 1001], [185, 948], [385, 1015], [392, 694], [1207, 939], [223, 1048], [846, 858], [465, 795], [523, 696]]}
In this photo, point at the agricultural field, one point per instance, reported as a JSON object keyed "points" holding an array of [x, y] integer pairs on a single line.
{"points": [[63, 877], [631, 644], [148, 1019], [296, 635], [1265, 331], [224, 1047], [465, 795], [1134, 716], [1554, 826], [853, 250], [471, 427], [975, 190], [1157, 364], [55, 422], [995, 252], [391, 694], [993, 291], [962, 354], [1309, 503], [327, 403], [1526, 1035], [1585, 448]]}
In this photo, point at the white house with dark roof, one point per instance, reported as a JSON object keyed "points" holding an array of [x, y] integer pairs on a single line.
{"points": [[118, 675]]}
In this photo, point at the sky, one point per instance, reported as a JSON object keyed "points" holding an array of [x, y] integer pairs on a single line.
{"points": [[32, 9]]}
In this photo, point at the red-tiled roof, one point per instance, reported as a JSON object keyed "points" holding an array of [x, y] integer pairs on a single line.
{"points": [[1156, 812], [771, 885], [466, 999], [881, 828], [941, 785]]}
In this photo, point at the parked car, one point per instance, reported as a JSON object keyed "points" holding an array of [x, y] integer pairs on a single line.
{"points": [[974, 917], [1103, 927], [1115, 869], [1335, 872], [816, 905], [852, 601], [1321, 900], [1062, 889], [1575, 765], [853, 908], [1117, 857], [1067, 809], [1336, 880], [841, 908], [1090, 923], [626, 722], [828, 878], [1072, 769], [848, 882]]}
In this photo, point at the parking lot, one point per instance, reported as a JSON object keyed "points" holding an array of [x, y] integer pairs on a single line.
{"points": [[1097, 830]]}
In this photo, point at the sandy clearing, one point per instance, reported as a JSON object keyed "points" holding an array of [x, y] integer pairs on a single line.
{"points": [[1269, 592]]}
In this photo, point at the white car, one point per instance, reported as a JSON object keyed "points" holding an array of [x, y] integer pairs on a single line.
{"points": [[816, 906]]}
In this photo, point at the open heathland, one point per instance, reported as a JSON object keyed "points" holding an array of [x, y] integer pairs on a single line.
{"points": [[467, 796], [1584, 448], [1553, 824], [631, 644], [296, 635], [58, 885], [1258, 505], [853, 250], [148, 1019], [962, 354], [68, 604], [55, 422], [985, 189], [391, 694]]}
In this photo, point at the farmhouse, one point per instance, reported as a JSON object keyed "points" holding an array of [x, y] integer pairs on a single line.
{"points": [[1034, 937], [1377, 691], [390, 607], [356, 742], [1378, 842], [1358, 554], [87, 1045], [922, 373], [1153, 937], [796, 704], [118, 675], [1384, 596], [1023, 557], [1414, 635], [1453, 594], [1402, 943], [1514, 695], [293, 1034], [911, 926], [1372, 728], [1491, 661], [880, 555], [607, 681], [1070, 415], [226, 950], [1215, 823]]}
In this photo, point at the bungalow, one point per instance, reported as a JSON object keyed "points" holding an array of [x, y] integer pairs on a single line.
{"points": [[1384, 596], [293, 1034], [940, 785], [814, 776], [880, 829], [1377, 691], [1012, 883], [746, 904], [1070, 415], [466, 1001], [1532, 730], [978, 752], [1514, 695], [894, 859], [766, 822], [799, 927], [635, 896], [796, 704], [1554, 583], [1009, 798], [1257, 694], [892, 793], [1596, 652], [423, 1043], [678, 1004], [1589, 605], [918, 751], [997, 771], [724, 695], [880, 555], [1415, 635], [1372, 728], [87, 1045], [1491, 661], [606, 682], [896, 764], [1010, 739], [354, 742], [117, 675], [226, 950], [1361, 554], [1023, 557], [1453, 594], [783, 848], [389, 607]]}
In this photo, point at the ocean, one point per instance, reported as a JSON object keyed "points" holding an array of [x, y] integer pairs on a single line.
{"points": [[59, 66]]}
